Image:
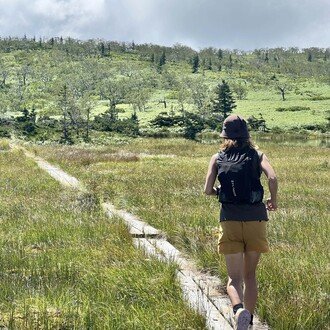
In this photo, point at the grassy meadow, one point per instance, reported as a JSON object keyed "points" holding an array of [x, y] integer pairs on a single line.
{"points": [[162, 181], [65, 265]]}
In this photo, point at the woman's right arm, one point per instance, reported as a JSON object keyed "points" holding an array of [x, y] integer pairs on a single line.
{"points": [[211, 177], [271, 202]]}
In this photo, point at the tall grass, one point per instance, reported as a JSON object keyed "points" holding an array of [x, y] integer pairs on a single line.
{"points": [[163, 185], [65, 265]]}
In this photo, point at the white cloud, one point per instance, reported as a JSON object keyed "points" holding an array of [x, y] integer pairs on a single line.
{"points": [[61, 10], [50, 17], [220, 23]]}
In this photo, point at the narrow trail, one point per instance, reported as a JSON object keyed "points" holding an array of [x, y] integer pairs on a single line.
{"points": [[199, 289]]}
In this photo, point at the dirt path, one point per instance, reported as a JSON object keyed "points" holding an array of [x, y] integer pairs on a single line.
{"points": [[199, 289]]}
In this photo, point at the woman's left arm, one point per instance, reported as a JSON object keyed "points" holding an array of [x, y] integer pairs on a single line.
{"points": [[211, 177]]}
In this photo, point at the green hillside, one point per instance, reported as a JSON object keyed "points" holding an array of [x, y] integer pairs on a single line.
{"points": [[74, 81]]}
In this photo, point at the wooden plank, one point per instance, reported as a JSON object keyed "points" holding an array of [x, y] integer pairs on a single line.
{"points": [[55, 172], [137, 227], [201, 303], [171, 253], [192, 293], [207, 284], [59, 175], [210, 284]]}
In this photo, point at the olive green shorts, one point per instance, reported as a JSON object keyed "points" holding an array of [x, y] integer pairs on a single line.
{"points": [[242, 236]]}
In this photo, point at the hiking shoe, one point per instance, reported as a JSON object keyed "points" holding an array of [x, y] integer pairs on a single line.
{"points": [[242, 319]]}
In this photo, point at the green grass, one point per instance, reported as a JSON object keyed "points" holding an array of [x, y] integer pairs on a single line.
{"points": [[4, 145], [266, 103], [162, 181], [65, 265]]}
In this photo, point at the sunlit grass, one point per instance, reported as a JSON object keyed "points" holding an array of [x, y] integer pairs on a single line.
{"points": [[163, 185], [4, 145], [65, 265]]}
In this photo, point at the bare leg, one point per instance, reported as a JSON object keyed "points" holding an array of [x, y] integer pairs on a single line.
{"points": [[235, 268], [251, 260]]}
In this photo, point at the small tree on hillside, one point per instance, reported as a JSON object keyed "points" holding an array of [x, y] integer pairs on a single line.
{"points": [[64, 104], [310, 57], [4, 72], [230, 61], [282, 87], [195, 63], [182, 95], [102, 49], [209, 64], [162, 59], [199, 94], [240, 90], [220, 54], [224, 102], [161, 62]]}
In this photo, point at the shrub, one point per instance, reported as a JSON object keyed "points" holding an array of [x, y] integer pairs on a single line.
{"points": [[323, 128], [214, 121], [257, 124], [277, 129], [166, 120], [48, 122], [128, 126], [4, 145], [4, 132], [319, 98], [191, 123], [156, 132], [292, 109]]}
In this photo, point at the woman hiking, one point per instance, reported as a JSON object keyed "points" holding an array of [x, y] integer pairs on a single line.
{"points": [[238, 167]]}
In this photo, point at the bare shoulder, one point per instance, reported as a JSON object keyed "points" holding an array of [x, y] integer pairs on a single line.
{"points": [[214, 158]]}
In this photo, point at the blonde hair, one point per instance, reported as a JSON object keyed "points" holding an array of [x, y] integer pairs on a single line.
{"points": [[237, 143]]}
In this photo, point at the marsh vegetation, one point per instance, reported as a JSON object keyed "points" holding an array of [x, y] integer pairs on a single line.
{"points": [[65, 265], [161, 181]]}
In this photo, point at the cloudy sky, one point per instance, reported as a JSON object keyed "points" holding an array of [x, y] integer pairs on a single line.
{"points": [[240, 24]]}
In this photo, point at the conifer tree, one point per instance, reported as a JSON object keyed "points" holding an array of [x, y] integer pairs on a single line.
{"points": [[162, 59], [267, 57], [161, 62], [102, 49], [209, 64], [310, 57], [64, 106], [230, 61], [224, 102], [220, 54], [195, 63]]}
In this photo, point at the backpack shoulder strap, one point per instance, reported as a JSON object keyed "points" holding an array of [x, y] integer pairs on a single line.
{"points": [[221, 154], [260, 154], [258, 161]]}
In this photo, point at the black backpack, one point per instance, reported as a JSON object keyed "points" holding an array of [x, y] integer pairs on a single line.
{"points": [[239, 174]]}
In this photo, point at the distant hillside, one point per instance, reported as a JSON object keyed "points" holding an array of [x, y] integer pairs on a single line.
{"points": [[289, 88]]}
